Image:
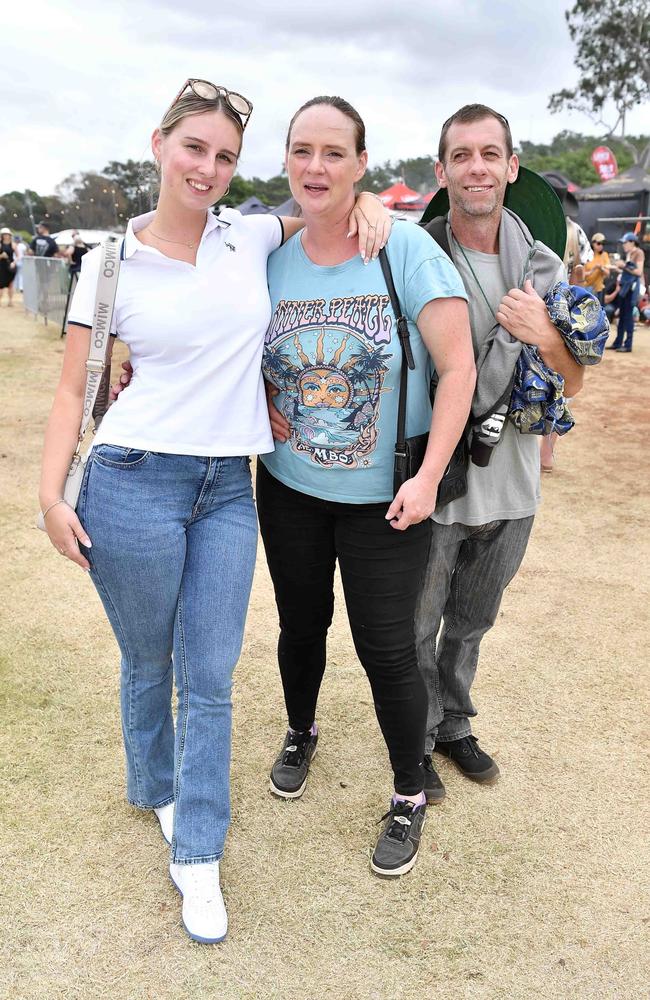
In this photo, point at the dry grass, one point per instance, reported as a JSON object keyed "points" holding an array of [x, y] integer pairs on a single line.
{"points": [[534, 888]]}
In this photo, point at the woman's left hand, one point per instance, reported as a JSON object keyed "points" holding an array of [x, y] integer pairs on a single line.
{"points": [[414, 501], [372, 223]]}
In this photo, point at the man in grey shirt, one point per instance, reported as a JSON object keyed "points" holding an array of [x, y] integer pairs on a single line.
{"points": [[479, 540]]}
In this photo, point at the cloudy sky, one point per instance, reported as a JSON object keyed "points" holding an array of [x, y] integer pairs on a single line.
{"points": [[86, 82]]}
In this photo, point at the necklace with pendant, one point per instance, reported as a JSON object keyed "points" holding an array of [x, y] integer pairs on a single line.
{"points": [[178, 243]]}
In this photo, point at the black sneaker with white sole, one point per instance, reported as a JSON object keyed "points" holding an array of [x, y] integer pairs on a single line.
{"points": [[397, 848], [290, 770], [433, 786], [468, 757]]}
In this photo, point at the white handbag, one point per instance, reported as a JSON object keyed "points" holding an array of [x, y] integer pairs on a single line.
{"points": [[97, 375]]}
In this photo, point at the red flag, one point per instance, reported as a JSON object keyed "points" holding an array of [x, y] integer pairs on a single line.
{"points": [[605, 163]]}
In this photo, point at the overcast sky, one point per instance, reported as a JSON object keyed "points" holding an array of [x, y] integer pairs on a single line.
{"points": [[86, 82]]}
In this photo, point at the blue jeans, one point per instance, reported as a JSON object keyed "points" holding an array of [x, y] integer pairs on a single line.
{"points": [[173, 551], [625, 331], [469, 569]]}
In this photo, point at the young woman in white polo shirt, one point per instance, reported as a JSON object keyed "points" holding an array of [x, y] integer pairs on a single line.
{"points": [[166, 524]]}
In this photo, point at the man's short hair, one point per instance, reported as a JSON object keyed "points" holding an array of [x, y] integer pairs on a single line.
{"points": [[474, 113], [43, 225]]}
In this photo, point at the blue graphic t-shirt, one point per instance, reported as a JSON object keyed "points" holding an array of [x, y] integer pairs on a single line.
{"points": [[333, 352]]}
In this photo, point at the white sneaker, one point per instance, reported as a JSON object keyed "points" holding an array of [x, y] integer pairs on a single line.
{"points": [[204, 914], [165, 816]]}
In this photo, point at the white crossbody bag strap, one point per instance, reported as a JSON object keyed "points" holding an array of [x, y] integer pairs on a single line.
{"points": [[97, 371], [100, 334]]}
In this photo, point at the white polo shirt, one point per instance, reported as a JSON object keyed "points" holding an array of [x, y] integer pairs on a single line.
{"points": [[195, 335]]}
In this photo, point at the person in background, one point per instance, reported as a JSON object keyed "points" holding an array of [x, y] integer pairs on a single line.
{"points": [[20, 251], [7, 265], [610, 294], [629, 286], [597, 269], [43, 245], [74, 253], [644, 308]]}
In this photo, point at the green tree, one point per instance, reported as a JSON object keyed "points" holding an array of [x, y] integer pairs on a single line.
{"points": [[379, 178], [14, 209], [569, 153], [138, 182], [274, 191], [93, 202], [240, 190], [613, 58], [419, 173]]}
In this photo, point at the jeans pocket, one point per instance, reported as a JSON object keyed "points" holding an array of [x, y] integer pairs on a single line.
{"points": [[116, 457]]}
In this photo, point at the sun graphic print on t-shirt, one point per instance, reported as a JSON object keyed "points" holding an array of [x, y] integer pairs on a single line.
{"points": [[331, 376]]}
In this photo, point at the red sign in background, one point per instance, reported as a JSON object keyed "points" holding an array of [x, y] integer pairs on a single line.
{"points": [[605, 163]]}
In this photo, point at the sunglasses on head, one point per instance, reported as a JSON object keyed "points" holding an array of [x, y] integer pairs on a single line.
{"points": [[207, 91]]}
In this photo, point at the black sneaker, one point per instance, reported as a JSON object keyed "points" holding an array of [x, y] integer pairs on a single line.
{"points": [[289, 773], [433, 786], [470, 759], [397, 848]]}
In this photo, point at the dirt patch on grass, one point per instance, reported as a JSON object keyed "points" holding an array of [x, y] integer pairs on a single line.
{"points": [[536, 887]]}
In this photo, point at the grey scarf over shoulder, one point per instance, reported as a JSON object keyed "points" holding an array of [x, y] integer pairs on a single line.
{"points": [[521, 257]]}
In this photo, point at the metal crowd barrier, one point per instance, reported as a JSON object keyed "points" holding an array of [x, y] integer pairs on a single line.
{"points": [[46, 287]]}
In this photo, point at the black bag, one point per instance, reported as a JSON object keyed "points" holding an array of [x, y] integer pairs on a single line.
{"points": [[410, 452]]}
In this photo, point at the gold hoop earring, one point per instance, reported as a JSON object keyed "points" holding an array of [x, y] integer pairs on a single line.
{"points": [[226, 192]]}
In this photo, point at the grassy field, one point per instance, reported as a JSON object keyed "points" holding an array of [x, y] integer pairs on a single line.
{"points": [[534, 888]]}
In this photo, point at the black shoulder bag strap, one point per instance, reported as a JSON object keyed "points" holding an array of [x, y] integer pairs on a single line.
{"points": [[437, 229], [407, 354]]}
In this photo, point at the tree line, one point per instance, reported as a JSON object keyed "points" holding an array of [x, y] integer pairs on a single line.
{"points": [[108, 198]]}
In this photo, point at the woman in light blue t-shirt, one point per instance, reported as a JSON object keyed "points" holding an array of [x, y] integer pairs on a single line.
{"points": [[333, 359]]}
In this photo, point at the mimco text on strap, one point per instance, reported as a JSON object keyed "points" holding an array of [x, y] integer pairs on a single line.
{"points": [[97, 372]]}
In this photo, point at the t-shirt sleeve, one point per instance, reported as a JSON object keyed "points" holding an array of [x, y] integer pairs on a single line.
{"points": [[428, 273], [83, 300], [267, 228]]}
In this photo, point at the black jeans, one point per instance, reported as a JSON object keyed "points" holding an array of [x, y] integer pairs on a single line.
{"points": [[381, 570]]}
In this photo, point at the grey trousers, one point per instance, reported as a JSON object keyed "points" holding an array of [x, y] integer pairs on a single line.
{"points": [[469, 568]]}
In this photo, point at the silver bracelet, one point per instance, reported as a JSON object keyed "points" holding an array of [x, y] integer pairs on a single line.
{"points": [[48, 509]]}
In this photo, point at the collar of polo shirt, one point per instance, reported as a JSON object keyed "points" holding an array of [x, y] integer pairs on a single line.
{"points": [[133, 244]]}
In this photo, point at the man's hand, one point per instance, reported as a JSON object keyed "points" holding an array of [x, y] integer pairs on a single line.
{"points": [[523, 314], [414, 502], [280, 426], [124, 381]]}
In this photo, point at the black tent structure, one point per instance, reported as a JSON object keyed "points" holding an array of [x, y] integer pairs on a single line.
{"points": [[617, 205]]}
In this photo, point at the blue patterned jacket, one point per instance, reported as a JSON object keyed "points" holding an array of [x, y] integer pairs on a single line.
{"points": [[538, 404]]}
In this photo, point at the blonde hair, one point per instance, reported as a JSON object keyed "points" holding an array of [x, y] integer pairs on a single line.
{"points": [[190, 104]]}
